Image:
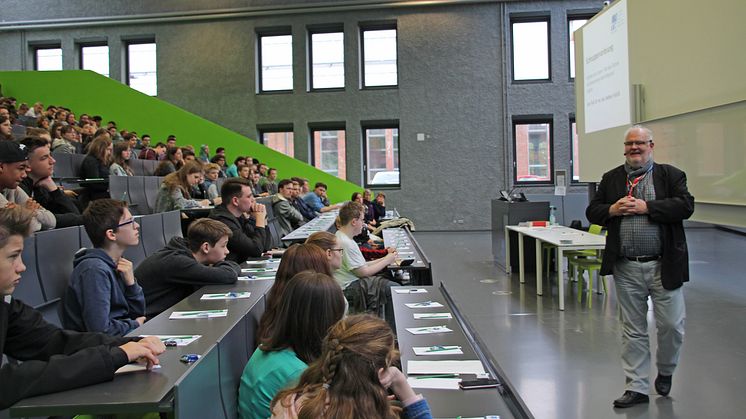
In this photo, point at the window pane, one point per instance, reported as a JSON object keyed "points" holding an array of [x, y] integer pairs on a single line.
{"points": [[142, 68], [328, 60], [530, 51], [533, 151], [574, 24], [277, 62], [382, 156], [279, 141], [96, 59], [575, 153], [48, 59], [329, 152], [379, 57]]}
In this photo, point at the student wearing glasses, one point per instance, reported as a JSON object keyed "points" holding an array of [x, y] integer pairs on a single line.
{"points": [[103, 295]]}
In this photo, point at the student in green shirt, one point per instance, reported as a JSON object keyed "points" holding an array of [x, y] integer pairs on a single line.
{"points": [[311, 303]]}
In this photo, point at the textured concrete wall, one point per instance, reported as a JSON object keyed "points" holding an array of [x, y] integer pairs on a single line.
{"points": [[454, 87]]}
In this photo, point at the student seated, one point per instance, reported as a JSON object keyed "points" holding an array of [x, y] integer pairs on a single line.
{"points": [[246, 219], [120, 160], [96, 166], [53, 359], [172, 162], [351, 377], [298, 258], [329, 244], [311, 304], [288, 218], [315, 199], [364, 286], [103, 295], [13, 169], [40, 185], [176, 189], [186, 264]]}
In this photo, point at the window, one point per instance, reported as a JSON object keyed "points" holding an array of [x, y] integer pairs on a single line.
{"points": [[281, 141], [95, 58], [275, 63], [530, 50], [329, 151], [327, 60], [573, 25], [575, 154], [382, 156], [379, 57], [141, 67], [48, 58], [533, 150]]}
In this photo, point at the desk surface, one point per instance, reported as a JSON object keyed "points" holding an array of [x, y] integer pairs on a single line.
{"points": [[143, 392], [443, 403], [561, 236], [323, 222], [401, 239]]}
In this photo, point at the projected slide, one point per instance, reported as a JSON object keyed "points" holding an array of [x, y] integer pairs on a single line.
{"points": [[606, 70]]}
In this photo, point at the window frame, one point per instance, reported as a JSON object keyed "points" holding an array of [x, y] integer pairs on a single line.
{"points": [[529, 120], [270, 129], [571, 17], [138, 41], [572, 153], [365, 126], [268, 32], [322, 30], [361, 34], [330, 126], [533, 18], [47, 45], [81, 45]]}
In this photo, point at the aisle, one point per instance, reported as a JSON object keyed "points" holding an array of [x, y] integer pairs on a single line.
{"points": [[566, 364]]}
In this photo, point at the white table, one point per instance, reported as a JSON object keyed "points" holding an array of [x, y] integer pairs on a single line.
{"points": [[565, 238]]}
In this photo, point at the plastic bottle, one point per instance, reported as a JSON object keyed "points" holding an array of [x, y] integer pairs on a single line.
{"points": [[552, 218]]}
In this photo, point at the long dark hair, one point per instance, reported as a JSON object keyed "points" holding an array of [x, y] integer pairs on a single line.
{"points": [[298, 258], [343, 382], [312, 303]]}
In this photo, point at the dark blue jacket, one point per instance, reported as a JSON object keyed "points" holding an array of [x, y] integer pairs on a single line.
{"points": [[97, 300]]}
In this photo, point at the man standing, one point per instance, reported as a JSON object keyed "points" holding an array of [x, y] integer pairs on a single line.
{"points": [[643, 204]]}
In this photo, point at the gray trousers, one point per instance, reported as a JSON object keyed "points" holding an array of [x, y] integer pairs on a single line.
{"points": [[634, 282]]}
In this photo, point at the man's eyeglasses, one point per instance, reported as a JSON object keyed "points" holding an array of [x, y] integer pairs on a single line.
{"points": [[636, 143], [128, 222], [337, 250]]}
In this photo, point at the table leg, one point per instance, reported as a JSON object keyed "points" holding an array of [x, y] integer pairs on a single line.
{"points": [[508, 268], [539, 268], [521, 264], [561, 280]]}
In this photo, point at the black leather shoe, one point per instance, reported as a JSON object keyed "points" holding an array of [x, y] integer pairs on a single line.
{"points": [[631, 398], [663, 384]]}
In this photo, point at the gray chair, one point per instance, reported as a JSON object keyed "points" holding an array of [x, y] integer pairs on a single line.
{"points": [[136, 189], [55, 250], [151, 233], [151, 186], [63, 168], [85, 241], [171, 225], [118, 188], [29, 289], [148, 167]]}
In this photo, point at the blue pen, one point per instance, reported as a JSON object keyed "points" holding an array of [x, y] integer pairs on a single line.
{"points": [[189, 358]]}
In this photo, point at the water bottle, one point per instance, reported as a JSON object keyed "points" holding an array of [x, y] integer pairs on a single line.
{"points": [[552, 218]]}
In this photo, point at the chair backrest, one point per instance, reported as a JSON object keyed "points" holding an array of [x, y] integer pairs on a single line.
{"points": [[151, 186], [29, 289], [171, 225], [118, 188], [136, 166], [63, 166], [55, 251], [18, 131], [136, 189], [77, 163], [148, 167], [151, 233], [595, 229], [85, 241]]}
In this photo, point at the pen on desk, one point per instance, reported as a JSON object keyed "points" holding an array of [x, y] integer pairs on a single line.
{"points": [[421, 377], [442, 348], [436, 316], [176, 337], [424, 303]]}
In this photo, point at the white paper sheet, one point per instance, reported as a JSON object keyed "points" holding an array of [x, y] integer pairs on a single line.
{"points": [[409, 290], [181, 340], [198, 314], [226, 296], [425, 316], [134, 367], [445, 367], [428, 330], [424, 304], [438, 350]]}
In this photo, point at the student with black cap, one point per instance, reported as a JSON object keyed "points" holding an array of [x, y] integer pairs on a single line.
{"points": [[13, 166]]}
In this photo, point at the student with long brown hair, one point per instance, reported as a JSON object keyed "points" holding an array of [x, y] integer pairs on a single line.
{"points": [[298, 258], [328, 243], [311, 304], [120, 160], [96, 166], [175, 191], [351, 377]]}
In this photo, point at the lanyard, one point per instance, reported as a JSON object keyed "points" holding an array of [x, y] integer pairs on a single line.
{"points": [[631, 184]]}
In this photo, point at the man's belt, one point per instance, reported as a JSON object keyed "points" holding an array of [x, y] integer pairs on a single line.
{"points": [[642, 258]]}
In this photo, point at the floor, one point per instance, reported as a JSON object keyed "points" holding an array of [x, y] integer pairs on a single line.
{"points": [[566, 364]]}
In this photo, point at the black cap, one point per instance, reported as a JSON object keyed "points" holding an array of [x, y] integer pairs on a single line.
{"points": [[12, 152]]}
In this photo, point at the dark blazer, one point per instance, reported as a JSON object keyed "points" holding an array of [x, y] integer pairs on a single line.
{"points": [[248, 240], [671, 206]]}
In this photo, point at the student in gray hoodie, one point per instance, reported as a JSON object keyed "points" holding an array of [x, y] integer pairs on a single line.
{"points": [[186, 264], [103, 295]]}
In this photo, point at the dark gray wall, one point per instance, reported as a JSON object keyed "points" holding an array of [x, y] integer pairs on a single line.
{"points": [[454, 86]]}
